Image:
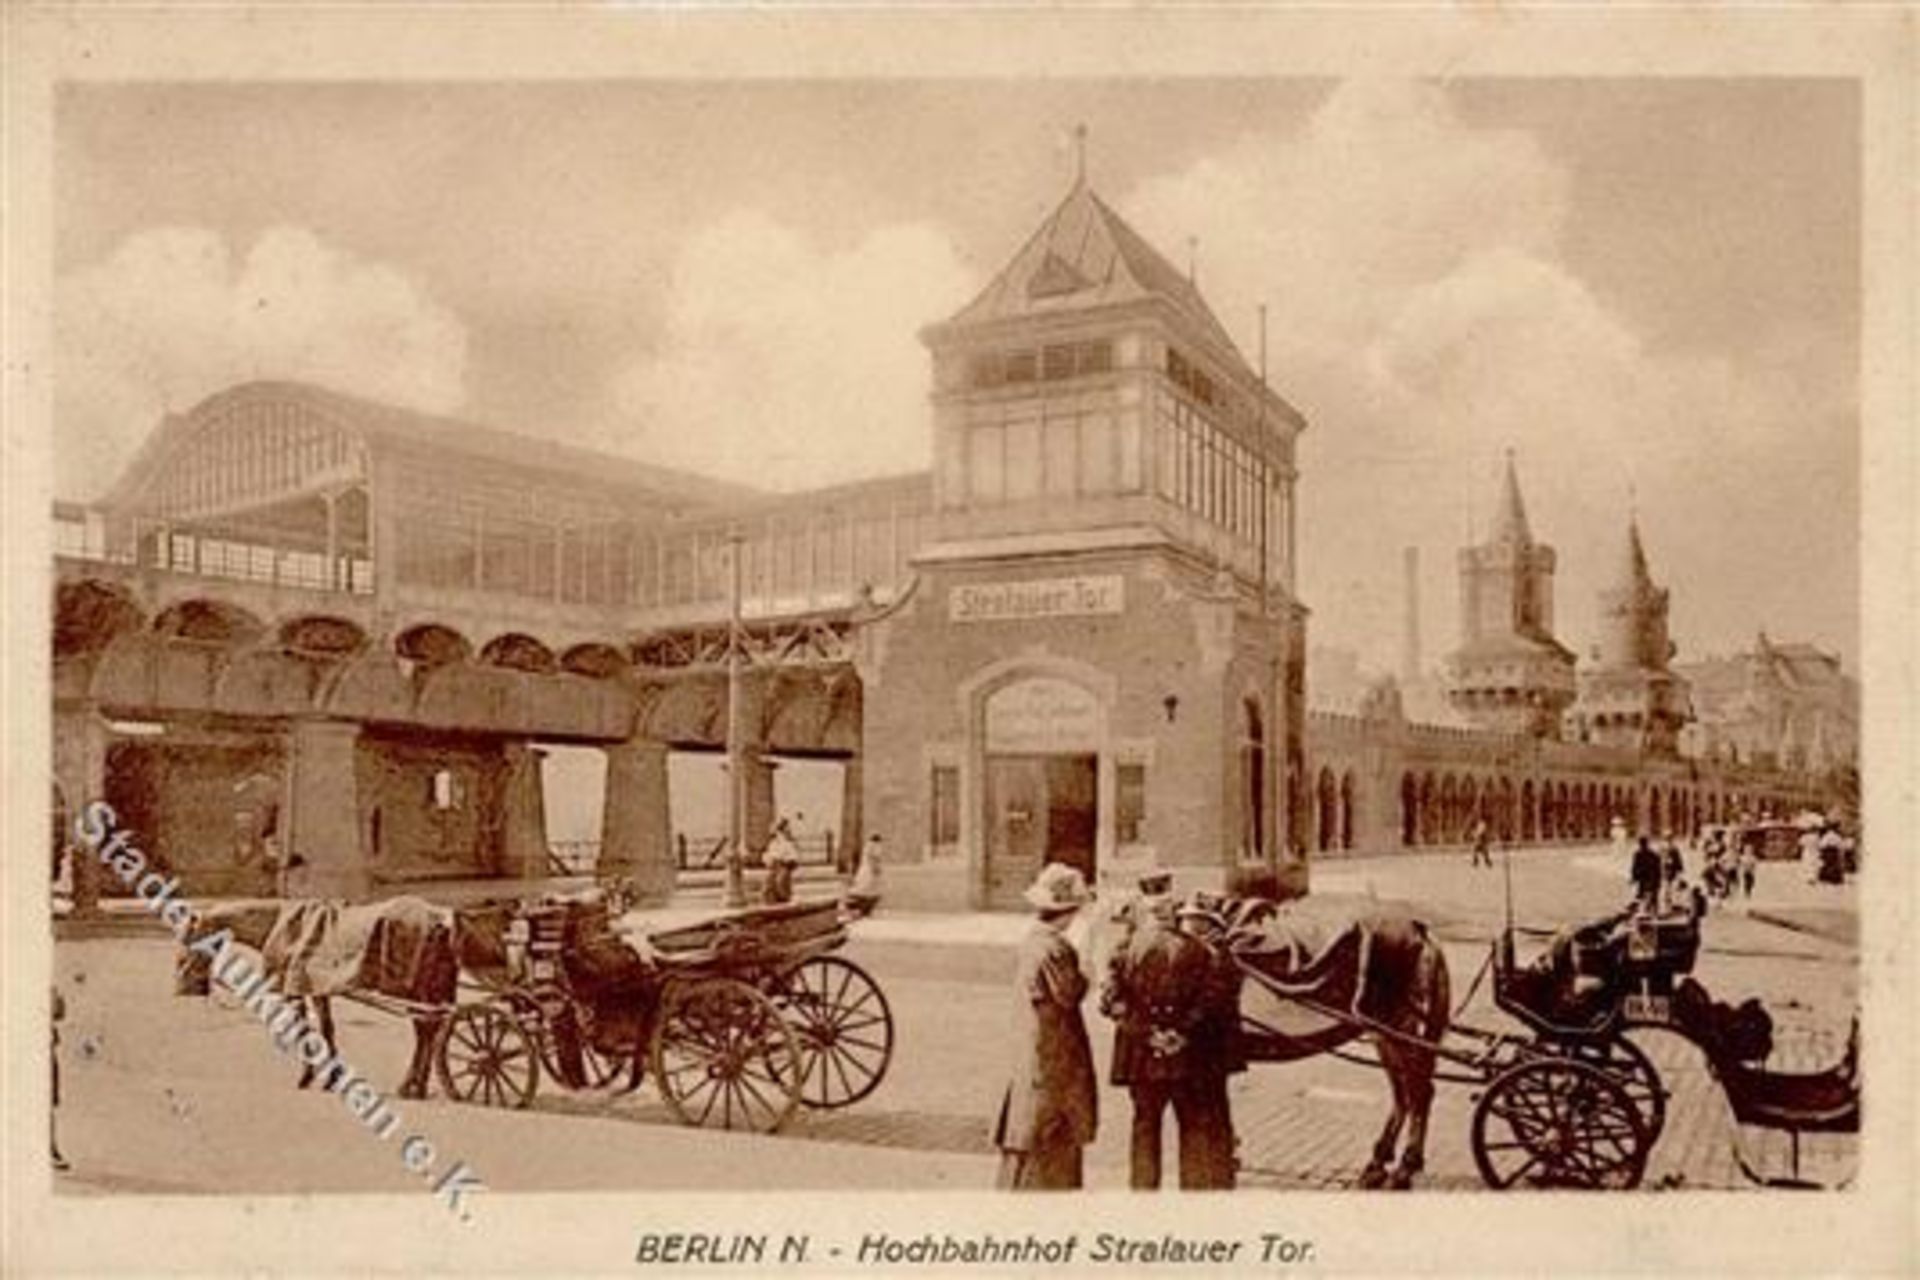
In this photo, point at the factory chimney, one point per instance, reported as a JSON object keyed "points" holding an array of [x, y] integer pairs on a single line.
{"points": [[1410, 640]]}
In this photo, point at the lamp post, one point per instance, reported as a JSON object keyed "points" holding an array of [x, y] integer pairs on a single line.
{"points": [[736, 754]]}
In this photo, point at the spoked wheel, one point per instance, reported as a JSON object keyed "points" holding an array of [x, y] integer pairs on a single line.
{"points": [[598, 1068], [845, 1030], [603, 1067], [488, 1056], [1627, 1063], [1555, 1122], [725, 1058]]}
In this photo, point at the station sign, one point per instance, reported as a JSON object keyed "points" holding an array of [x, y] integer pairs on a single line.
{"points": [[1043, 715], [1038, 598]]}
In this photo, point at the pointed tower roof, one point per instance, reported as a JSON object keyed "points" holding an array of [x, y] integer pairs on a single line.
{"points": [[1634, 576], [1085, 255], [1510, 522]]}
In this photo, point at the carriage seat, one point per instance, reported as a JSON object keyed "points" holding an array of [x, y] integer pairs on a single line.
{"points": [[1824, 1101]]}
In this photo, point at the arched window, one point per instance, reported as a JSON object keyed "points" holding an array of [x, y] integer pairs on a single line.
{"points": [[1329, 815], [1346, 810], [1253, 782]]}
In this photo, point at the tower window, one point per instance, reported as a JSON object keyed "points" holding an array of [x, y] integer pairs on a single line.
{"points": [[1189, 377], [1056, 363]]}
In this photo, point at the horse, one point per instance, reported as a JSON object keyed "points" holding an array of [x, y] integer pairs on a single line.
{"points": [[403, 948], [1361, 966]]}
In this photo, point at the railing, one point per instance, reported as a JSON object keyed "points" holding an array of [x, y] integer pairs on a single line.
{"points": [[572, 857], [691, 853], [709, 852]]}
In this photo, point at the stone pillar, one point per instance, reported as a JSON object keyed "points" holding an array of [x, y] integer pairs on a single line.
{"points": [[636, 838], [760, 809], [852, 836], [324, 825], [523, 813], [331, 578], [80, 742]]}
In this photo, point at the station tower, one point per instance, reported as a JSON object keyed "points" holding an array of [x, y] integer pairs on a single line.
{"points": [[1103, 660]]}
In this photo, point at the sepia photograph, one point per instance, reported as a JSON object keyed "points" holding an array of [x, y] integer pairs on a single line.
{"points": [[1301, 633]]}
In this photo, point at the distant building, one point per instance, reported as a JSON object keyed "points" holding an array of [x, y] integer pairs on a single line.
{"points": [[1786, 706]]}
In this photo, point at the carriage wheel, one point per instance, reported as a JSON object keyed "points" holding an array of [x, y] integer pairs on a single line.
{"points": [[488, 1056], [1627, 1063], [598, 1068], [1554, 1122], [845, 1029], [603, 1068], [725, 1058]]}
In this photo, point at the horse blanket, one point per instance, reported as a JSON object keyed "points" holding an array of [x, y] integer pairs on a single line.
{"points": [[398, 947]]}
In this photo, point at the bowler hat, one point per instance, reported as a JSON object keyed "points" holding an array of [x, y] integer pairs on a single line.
{"points": [[1156, 884], [1201, 908], [1058, 887]]}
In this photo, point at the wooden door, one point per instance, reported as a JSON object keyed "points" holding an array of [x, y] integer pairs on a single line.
{"points": [[1016, 798]]}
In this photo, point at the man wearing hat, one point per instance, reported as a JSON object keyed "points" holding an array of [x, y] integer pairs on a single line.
{"points": [[1171, 998], [1050, 1108]]}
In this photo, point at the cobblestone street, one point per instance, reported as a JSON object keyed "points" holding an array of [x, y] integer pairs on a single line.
{"points": [[175, 1094]]}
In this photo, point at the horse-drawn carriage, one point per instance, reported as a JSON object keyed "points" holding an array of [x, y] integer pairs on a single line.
{"points": [[1568, 1100], [739, 1019]]}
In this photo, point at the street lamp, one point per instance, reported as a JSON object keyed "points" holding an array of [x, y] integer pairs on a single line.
{"points": [[736, 895]]}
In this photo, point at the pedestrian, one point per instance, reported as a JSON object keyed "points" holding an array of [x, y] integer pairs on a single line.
{"points": [[1482, 854], [1833, 867], [863, 891], [782, 855], [1174, 998], [1050, 1109], [59, 1013], [1646, 874], [1672, 864], [1749, 864], [1688, 897]]}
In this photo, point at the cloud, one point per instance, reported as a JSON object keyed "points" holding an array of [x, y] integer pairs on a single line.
{"points": [[785, 364], [1424, 312], [173, 315]]}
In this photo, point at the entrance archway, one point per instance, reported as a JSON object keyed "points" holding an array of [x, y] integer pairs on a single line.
{"points": [[1042, 737]]}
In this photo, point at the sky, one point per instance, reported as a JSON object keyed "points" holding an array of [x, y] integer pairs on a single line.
{"points": [[1647, 289]]}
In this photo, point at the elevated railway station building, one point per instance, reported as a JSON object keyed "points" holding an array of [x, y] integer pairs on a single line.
{"points": [[304, 621]]}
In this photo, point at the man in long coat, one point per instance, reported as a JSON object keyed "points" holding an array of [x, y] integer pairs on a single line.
{"points": [[1647, 872], [1050, 1108], [1174, 1000]]}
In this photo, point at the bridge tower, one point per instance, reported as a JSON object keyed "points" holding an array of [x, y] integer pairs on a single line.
{"points": [[1509, 673], [1630, 697]]}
